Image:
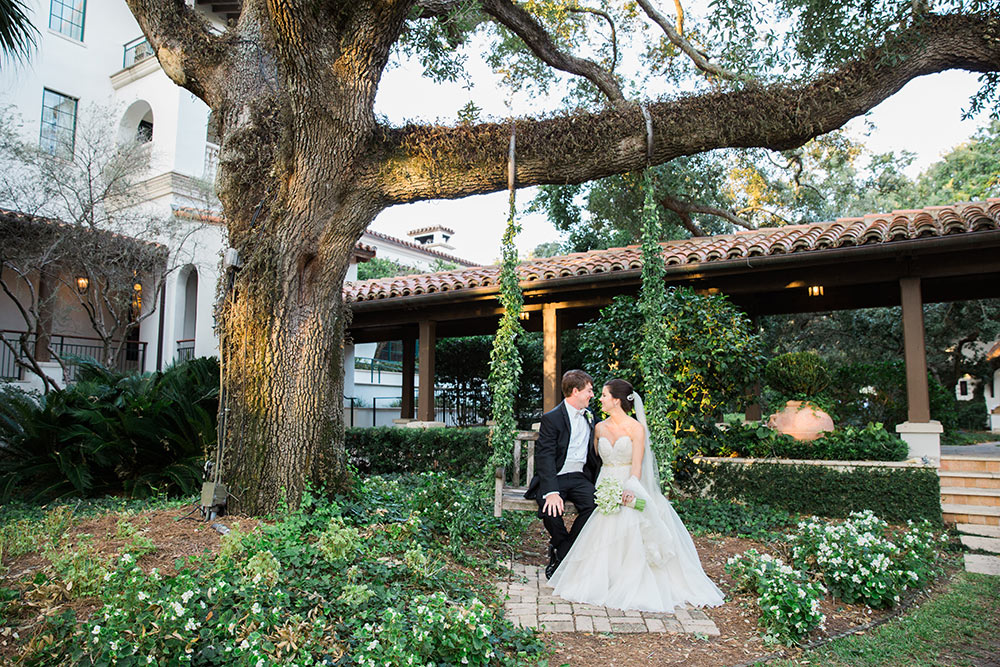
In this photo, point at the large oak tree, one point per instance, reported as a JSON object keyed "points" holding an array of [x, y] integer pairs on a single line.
{"points": [[306, 165]]}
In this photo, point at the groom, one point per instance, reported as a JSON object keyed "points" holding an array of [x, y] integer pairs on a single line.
{"points": [[566, 465]]}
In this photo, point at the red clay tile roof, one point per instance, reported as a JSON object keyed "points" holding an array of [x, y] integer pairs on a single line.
{"points": [[933, 221], [431, 228], [416, 246], [21, 218]]}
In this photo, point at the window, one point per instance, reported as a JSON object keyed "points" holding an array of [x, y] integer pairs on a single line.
{"points": [[144, 133], [58, 123], [963, 388], [66, 17], [424, 239]]}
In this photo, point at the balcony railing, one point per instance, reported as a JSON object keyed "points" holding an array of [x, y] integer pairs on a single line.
{"points": [[185, 349], [131, 358], [136, 51]]}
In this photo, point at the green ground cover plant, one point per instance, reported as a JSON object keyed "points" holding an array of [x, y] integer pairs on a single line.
{"points": [[355, 579], [706, 516]]}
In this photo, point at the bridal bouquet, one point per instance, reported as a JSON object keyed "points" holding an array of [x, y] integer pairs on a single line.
{"points": [[608, 496]]}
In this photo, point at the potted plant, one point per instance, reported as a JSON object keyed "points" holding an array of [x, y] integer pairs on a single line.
{"points": [[800, 378]]}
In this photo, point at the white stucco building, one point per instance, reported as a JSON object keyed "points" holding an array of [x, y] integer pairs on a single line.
{"points": [[91, 59]]}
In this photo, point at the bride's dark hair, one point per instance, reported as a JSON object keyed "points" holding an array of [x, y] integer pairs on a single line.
{"points": [[620, 389]]}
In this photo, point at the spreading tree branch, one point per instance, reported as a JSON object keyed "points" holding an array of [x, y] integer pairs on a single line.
{"points": [[611, 25], [524, 25], [189, 53], [677, 39], [684, 208], [418, 162]]}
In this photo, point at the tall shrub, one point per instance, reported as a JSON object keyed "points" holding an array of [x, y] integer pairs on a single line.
{"points": [[711, 354]]}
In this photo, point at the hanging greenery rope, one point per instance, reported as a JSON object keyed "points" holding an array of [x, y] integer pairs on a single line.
{"points": [[655, 350], [505, 361]]}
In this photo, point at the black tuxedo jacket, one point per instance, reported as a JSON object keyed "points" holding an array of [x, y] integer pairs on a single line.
{"points": [[550, 452]]}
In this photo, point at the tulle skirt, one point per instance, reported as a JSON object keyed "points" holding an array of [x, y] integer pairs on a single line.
{"points": [[635, 560]]}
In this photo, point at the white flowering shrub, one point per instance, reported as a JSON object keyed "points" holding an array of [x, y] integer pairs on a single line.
{"points": [[788, 601], [429, 629], [863, 560]]}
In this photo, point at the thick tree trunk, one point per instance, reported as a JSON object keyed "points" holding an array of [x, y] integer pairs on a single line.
{"points": [[282, 349]]}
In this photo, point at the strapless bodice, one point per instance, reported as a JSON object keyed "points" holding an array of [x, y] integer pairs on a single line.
{"points": [[617, 453]]}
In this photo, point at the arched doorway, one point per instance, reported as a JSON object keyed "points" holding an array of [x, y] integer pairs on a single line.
{"points": [[187, 310]]}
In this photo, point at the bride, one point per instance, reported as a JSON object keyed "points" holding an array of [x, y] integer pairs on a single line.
{"points": [[631, 559]]}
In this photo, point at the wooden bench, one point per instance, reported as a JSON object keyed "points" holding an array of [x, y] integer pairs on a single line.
{"points": [[512, 497]]}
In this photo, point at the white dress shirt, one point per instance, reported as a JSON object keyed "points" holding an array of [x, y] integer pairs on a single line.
{"points": [[576, 450]]}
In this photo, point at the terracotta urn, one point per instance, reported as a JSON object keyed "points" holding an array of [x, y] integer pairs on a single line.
{"points": [[801, 420]]}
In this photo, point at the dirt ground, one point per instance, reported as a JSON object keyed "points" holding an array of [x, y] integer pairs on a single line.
{"points": [[176, 537]]}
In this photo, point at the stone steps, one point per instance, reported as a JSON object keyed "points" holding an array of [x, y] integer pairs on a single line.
{"points": [[981, 538], [970, 489]]}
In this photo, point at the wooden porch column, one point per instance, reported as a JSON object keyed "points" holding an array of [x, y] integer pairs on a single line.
{"points": [[917, 401], [552, 358], [409, 366], [425, 396]]}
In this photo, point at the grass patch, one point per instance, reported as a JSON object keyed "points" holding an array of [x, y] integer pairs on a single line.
{"points": [[957, 627]]}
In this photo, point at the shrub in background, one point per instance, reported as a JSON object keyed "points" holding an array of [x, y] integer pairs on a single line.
{"points": [[461, 452], [871, 443], [110, 433], [896, 494]]}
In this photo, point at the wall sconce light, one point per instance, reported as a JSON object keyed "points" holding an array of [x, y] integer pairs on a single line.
{"points": [[815, 290], [137, 296], [523, 315], [82, 283]]}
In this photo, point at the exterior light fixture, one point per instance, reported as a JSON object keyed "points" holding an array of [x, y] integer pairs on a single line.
{"points": [[523, 315], [815, 290], [82, 283], [137, 296]]}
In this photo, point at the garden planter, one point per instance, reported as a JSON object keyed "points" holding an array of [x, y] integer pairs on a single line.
{"points": [[801, 420]]}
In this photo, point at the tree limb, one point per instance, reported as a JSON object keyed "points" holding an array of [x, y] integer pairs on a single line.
{"points": [[677, 39], [684, 209], [416, 162], [189, 53], [611, 24], [524, 25]]}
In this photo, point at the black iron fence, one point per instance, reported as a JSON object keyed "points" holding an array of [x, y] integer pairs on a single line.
{"points": [[130, 359]]}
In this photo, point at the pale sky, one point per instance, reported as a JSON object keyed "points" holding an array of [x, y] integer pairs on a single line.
{"points": [[924, 117]]}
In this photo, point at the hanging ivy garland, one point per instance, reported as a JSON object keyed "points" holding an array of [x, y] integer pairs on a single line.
{"points": [[505, 361], [655, 350]]}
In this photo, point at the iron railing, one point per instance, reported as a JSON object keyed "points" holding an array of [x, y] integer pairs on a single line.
{"points": [[131, 358], [185, 349], [376, 366], [136, 51]]}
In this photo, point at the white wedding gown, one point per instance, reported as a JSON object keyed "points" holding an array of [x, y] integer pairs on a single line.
{"points": [[633, 560]]}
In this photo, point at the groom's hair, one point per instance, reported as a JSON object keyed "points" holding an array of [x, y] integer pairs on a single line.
{"points": [[575, 379]]}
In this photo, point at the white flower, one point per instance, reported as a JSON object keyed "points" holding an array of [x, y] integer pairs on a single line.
{"points": [[187, 595], [244, 644], [143, 595], [255, 608], [191, 625], [177, 607], [96, 630]]}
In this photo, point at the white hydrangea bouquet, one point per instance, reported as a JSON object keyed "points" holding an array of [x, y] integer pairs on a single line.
{"points": [[608, 496]]}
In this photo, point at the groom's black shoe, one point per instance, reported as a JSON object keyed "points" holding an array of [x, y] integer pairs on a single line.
{"points": [[550, 569]]}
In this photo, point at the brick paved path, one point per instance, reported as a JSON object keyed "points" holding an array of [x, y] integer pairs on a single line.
{"points": [[530, 603]]}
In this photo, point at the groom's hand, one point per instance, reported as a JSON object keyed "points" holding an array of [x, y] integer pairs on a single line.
{"points": [[553, 505]]}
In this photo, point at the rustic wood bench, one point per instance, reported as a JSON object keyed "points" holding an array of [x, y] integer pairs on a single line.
{"points": [[512, 497]]}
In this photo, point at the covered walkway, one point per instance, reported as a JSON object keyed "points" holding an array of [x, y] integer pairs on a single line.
{"points": [[907, 258]]}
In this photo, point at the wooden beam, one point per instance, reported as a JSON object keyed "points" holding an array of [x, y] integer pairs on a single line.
{"points": [[409, 367], [425, 394], [552, 358], [915, 354]]}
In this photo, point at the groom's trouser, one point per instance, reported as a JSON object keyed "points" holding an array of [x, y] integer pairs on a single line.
{"points": [[576, 488]]}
